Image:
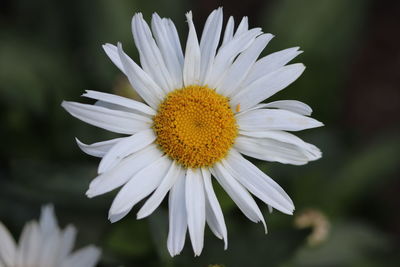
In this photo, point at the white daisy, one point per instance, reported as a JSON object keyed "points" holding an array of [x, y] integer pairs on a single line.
{"points": [[44, 244], [202, 112]]}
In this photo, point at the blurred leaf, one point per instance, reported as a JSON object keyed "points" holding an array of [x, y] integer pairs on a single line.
{"points": [[130, 238], [361, 172], [158, 222], [349, 244], [328, 31]]}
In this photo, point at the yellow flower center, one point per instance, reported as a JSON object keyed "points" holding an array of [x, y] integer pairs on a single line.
{"points": [[195, 126]]}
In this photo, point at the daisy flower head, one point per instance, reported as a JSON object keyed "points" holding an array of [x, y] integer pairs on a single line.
{"points": [[202, 111], [43, 243]]}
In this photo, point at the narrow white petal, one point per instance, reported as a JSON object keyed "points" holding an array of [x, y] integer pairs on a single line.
{"points": [[7, 247], [177, 217], [112, 120], [150, 55], [214, 216], [228, 53], [48, 239], [98, 149], [49, 250], [267, 86], [309, 150], [29, 245], [240, 68], [140, 185], [174, 38], [191, 67], [243, 26], [195, 208], [238, 193], [128, 103], [48, 220], [112, 53], [125, 147], [290, 105], [84, 257], [271, 150], [275, 119], [143, 84], [115, 217], [258, 183], [228, 34], [212, 221], [67, 242], [270, 63], [124, 171], [209, 42], [174, 173], [171, 52]]}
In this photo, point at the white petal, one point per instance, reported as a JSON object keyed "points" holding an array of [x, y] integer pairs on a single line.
{"points": [[84, 257], [258, 183], [141, 81], [267, 86], [112, 53], [270, 63], [51, 238], [212, 221], [126, 147], [275, 119], [7, 247], [228, 53], [177, 217], [123, 171], [174, 38], [171, 52], [228, 34], [67, 241], [139, 186], [49, 250], [243, 26], [48, 220], [209, 42], [98, 149], [115, 217], [128, 103], [29, 245], [174, 173], [150, 55], [195, 208], [309, 150], [271, 150], [214, 216], [290, 105], [112, 120], [238, 193], [191, 67], [239, 69]]}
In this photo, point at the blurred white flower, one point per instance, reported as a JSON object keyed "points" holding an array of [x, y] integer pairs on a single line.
{"points": [[44, 244], [203, 111]]}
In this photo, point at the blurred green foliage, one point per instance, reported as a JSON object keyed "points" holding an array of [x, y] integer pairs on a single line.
{"points": [[51, 51]]}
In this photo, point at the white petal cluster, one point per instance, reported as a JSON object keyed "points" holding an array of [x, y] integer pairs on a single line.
{"points": [[44, 244], [234, 70]]}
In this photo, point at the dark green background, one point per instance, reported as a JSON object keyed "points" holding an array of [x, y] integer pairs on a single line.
{"points": [[51, 51]]}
